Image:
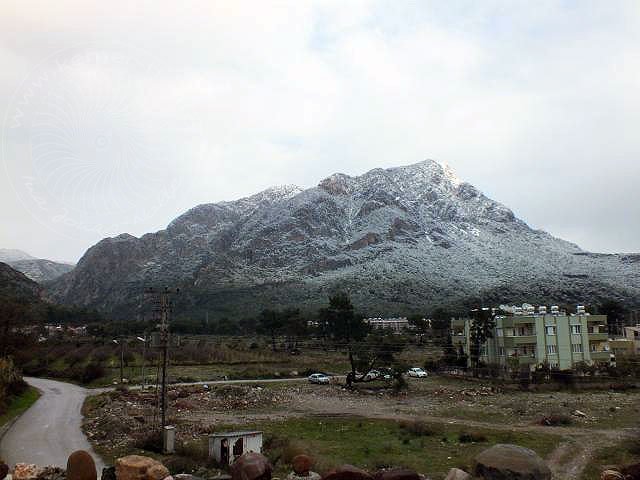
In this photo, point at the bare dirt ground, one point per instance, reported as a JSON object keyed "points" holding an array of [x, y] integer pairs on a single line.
{"points": [[595, 419]]}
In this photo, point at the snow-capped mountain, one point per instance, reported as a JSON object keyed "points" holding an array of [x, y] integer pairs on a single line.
{"points": [[37, 269], [399, 239]]}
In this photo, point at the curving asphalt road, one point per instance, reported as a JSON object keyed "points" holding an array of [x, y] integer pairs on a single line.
{"points": [[51, 429]]}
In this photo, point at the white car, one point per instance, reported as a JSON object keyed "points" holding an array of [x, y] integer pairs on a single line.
{"points": [[319, 378], [372, 375], [417, 372]]}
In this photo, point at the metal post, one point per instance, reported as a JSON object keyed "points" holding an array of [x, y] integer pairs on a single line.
{"points": [[121, 360]]}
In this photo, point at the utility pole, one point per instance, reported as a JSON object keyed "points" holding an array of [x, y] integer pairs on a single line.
{"points": [[162, 311], [121, 343]]}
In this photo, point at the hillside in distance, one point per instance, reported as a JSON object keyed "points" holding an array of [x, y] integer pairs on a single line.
{"points": [[37, 269], [16, 285], [400, 240]]}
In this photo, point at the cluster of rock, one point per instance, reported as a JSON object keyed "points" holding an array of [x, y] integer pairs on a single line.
{"points": [[499, 462]]}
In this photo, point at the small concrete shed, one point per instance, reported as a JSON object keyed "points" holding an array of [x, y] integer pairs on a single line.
{"points": [[225, 447]]}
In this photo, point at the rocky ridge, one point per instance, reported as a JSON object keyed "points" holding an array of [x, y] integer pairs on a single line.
{"points": [[37, 269], [400, 240]]}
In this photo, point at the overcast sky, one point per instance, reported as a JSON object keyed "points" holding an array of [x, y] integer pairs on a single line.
{"points": [[120, 115]]}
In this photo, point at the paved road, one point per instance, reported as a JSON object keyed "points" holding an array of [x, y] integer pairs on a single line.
{"points": [[51, 429]]}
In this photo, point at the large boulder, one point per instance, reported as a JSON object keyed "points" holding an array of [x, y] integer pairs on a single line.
{"points": [[80, 466], [137, 467], [510, 462], [396, 474], [251, 466], [457, 474], [347, 472]]}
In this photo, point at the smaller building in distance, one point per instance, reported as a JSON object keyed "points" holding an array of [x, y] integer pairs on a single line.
{"points": [[226, 447], [528, 336], [632, 334], [396, 325]]}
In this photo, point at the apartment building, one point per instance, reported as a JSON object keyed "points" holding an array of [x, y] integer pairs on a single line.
{"points": [[632, 334], [532, 337]]}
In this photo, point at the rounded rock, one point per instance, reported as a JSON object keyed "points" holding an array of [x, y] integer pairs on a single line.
{"points": [[302, 464], [251, 466], [396, 474], [510, 462], [347, 472], [80, 466]]}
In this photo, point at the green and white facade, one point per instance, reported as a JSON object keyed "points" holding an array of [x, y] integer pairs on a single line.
{"points": [[560, 339]]}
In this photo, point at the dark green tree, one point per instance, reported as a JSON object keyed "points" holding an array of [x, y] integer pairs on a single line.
{"points": [[449, 357], [440, 322], [616, 314], [420, 326], [270, 323], [343, 326], [483, 323]]}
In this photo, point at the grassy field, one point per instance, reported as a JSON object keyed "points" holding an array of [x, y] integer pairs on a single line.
{"points": [[19, 404], [372, 444]]}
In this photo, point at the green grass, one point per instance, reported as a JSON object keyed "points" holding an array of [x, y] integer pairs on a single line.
{"points": [[372, 444], [19, 405]]}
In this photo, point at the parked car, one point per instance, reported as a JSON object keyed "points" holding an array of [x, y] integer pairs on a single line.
{"points": [[417, 372], [319, 378], [371, 375]]}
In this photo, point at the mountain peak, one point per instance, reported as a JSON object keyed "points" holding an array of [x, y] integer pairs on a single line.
{"points": [[13, 255]]}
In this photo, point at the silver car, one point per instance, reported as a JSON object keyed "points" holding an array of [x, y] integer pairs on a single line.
{"points": [[319, 378]]}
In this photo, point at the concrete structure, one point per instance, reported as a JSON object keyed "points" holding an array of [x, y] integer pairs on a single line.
{"points": [[169, 439], [225, 447], [632, 334], [527, 337], [396, 325]]}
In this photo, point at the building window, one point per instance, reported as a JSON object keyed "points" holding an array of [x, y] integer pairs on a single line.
{"points": [[576, 348], [550, 330], [499, 332], [483, 351], [501, 351], [508, 332], [577, 329], [552, 349]]}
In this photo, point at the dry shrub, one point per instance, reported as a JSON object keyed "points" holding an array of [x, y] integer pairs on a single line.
{"points": [[418, 428], [555, 420], [471, 437], [194, 449]]}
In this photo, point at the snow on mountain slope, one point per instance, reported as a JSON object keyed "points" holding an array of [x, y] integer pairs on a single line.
{"points": [[37, 269], [400, 239]]}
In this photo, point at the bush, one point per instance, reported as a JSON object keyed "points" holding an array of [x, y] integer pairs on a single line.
{"points": [[196, 450], [470, 437], [149, 441], [555, 420], [418, 428], [91, 372]]}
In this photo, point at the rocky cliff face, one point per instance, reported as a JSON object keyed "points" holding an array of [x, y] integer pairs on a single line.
{"points": [[16, 285], [400, 239]]}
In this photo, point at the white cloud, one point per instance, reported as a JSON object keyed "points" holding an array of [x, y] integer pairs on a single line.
{"points": [[519, 98]]}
